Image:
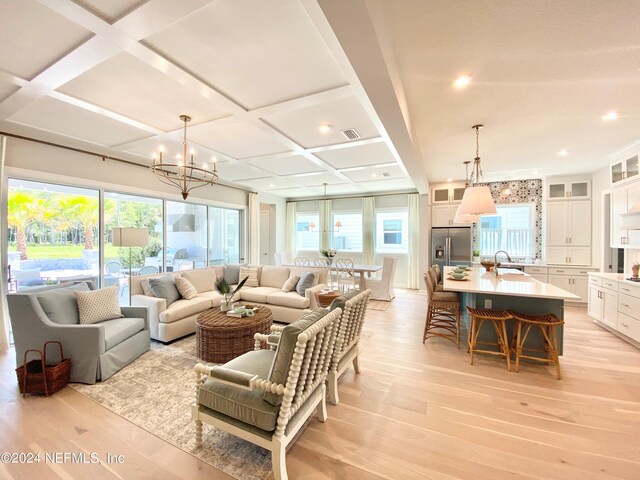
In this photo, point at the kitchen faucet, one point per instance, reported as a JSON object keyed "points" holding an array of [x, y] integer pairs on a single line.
{"points": [[495, 260]]}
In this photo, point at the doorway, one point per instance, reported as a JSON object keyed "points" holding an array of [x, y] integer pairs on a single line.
{"points": [[267, 233]]}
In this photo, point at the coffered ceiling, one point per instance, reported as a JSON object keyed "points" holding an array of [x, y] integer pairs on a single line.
{"points": [[258, 78], [261, 77]]}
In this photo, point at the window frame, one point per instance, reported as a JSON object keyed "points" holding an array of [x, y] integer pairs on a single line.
{"points": [[379, 234], [333, 232]]}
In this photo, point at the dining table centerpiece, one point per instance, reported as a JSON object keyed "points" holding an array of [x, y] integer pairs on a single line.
{"points": [[328, 254]]}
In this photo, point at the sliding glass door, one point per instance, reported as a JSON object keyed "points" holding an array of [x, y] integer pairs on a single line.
{"points": [[224, 236]]}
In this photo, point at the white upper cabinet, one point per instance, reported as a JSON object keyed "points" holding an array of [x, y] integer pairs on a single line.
{"points": [[448, 193], [562, 189], [623, 199], [569, 232], [624, 170]]}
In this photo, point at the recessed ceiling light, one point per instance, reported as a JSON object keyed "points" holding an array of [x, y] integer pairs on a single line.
{"points": [[462, 81], [326, 128], [271, 185], [536, 172], [610, 116], [564, 152], [449, 179], [374, 174]]}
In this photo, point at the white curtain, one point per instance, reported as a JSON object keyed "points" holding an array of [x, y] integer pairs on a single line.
{"points": [[326, 226], [254, 228], [413, 280], [4, 314], [368, 229], [290, 232]]}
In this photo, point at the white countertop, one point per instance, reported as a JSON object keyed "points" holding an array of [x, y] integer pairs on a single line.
{"points": [[510, 283], [618, 277]]}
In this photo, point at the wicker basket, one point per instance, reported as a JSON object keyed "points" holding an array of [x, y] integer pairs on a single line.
{"points": [[36, 376]]}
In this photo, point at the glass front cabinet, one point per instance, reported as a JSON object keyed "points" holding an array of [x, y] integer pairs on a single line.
{"points": [[563, 189], [622, 170]]}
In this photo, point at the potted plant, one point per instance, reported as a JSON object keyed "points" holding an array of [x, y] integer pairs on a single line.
{"points": [[223, 288], [476, 255], [328, 254], [634, 269]]}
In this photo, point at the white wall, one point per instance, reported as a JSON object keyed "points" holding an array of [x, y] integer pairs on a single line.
{"points": [[40, 162], [279, 205], [599, 184]]}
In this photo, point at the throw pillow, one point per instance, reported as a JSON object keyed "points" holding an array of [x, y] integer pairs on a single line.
{"points": [[306, 281], [342, 299], [98, 305], [186, 288], [290, 284], [284, 353], [232, 273], [250, 272], [164, 287], [60, 304]]}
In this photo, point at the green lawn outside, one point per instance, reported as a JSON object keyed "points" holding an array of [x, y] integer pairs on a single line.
{"points": [[36, 252]]}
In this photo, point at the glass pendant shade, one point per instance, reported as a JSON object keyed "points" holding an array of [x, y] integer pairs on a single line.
{"points": [[477, 201]]}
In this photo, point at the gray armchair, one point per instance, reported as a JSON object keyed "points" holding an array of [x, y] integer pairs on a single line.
{"points": [[266, 396], [96, 351]]}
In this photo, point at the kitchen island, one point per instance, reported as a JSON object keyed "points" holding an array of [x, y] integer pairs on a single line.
{"points": [[511, 290]]}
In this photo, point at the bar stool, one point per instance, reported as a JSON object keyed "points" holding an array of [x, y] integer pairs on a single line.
{"points": [[443, 313], [438, 287], [547, 324], [498, 319]]}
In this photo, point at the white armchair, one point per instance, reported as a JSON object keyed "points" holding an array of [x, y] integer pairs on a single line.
{"points": [[382, 288]]}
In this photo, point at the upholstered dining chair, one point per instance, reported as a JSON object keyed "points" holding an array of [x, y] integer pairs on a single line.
{"points": [[301, 262], [266, 396], [382, 288]]}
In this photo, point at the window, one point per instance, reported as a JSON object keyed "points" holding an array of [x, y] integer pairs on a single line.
{"points": [[186, 236], [52, 234], [348, 236], [224, 236], [307, 231], [392, 232], [511, 229]]}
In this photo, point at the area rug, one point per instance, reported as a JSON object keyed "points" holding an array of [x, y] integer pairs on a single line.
{"points": [[156, 391], [379, 305]]}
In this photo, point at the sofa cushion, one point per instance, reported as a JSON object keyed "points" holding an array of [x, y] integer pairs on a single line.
{"points": [[290, 284], [118, 330], [257, 294], [232, 273], [246, 406], [342, 299], [144, 284], [284, 353], [273, 276], [289, 299], [183, 308], [186, 288], [251, 274], [164, 287], [215, 297], [98, 305], [306, 281], [204, 279], [320, 277], [60, 305]]}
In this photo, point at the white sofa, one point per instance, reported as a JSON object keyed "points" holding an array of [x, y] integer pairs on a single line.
{"points": [[179, 319]]}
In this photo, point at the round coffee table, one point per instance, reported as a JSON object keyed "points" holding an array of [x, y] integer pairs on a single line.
{"points": [[325, 297], [220, 338]]}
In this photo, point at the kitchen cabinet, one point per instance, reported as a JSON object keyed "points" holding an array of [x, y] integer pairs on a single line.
{"points": [[562, 189], [573, 280], [624, 170], [623, 198], [539, 273], [447, 193], [569, 223], [557, 255], [443, 215], [614, 303]]}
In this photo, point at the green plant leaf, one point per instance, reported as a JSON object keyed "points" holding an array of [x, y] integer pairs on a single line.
{"points": [[241, 284], [222, 286]]}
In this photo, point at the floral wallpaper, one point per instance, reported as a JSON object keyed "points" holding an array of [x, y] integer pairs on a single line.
{"points": [[518, 191]]}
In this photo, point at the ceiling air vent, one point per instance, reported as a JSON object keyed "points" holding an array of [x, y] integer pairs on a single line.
{"points": [[350, 133], [386, 174]]}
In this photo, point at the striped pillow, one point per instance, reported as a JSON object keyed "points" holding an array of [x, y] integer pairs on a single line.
{"points": [[290, 284], [186, 288], [250, 272]]}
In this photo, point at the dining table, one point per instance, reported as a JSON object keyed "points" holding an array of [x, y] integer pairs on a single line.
{"points": [[359, 270]]}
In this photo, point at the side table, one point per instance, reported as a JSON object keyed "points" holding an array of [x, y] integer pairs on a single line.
{"points": [[325, 297]]}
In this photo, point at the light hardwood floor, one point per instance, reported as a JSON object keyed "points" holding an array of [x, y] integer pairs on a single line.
{"points": [[415, 412]]}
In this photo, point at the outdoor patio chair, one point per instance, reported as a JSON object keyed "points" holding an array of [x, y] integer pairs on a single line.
{"points": [[147, 270], [266, 396]]}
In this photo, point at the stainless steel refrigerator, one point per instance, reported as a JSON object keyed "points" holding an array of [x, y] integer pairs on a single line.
{"points": [[451, 246]]}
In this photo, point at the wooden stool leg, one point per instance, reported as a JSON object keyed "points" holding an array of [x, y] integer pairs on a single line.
{"points": [[458, 327], [505, 345], [554, 346], [518, 344], [427, 321], [472, 331]]}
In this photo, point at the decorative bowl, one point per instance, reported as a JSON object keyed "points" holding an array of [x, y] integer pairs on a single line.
{"points": [[487, 264], [458, 276]]}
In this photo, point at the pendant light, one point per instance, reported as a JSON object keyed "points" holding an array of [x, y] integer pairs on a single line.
{"points": [[465, 218], [477, 199]]}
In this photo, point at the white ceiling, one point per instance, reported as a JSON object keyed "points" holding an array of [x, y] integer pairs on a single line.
{"points": [[259, 78]]}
